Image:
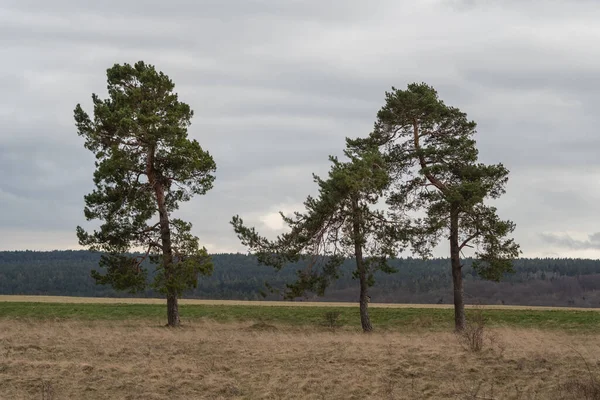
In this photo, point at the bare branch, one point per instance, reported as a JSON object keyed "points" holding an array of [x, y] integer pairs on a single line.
{"points": [[467, 240]]}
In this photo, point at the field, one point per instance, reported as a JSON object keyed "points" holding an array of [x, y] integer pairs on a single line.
{"points": [[87, 350]]}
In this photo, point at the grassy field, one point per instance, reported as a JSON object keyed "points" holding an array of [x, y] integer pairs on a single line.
{"points": [[384, 316], [116, 349], [133, 360]]}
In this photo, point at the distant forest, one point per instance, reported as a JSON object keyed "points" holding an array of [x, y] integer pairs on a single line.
{"points": [[547, 282]]}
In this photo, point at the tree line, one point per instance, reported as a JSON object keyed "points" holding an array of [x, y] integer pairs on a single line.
{"points": [[535, 282], [410, 183]]}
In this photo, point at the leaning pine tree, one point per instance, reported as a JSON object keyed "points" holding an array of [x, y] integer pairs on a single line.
{"points": [[429, 146], [340, 223], [146, 166]]}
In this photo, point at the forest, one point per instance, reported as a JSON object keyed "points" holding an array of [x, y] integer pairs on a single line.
{"points": [[536, 281]]}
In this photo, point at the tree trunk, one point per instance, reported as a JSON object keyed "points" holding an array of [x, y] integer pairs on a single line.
{"points": [[165, 238], [459, 305], [365, 320], [457, 281], [173, 310]]}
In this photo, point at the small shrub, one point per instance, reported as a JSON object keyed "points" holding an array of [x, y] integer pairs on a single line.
{"points": [[331, 319], [472, 337]]}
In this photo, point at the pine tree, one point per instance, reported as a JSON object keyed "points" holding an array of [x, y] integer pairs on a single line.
{"points": [[146, 166], [341, 222], [429, 148]]}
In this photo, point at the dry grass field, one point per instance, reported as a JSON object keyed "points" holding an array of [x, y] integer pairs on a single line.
{"points": [[70, 359]]}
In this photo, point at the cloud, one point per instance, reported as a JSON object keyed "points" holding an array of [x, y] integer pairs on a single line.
{"points": [[564, 240], [276, 86], [273, 221]]}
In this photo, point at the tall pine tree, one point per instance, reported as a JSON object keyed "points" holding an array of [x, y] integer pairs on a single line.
{"points": [[429, 148], [146, 166]]}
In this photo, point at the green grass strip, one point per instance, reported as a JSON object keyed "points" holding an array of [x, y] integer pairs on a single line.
{"points": [[384, 318]]}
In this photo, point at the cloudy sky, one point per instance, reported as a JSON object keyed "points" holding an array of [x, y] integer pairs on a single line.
{"points": [[276, 86]]}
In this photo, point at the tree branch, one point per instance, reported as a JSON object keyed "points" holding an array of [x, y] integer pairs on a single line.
{"points": [[467, 240], [434, 181]]}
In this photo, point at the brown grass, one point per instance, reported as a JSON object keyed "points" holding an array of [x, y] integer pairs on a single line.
{"points": [[205, 360], [112, 300]]}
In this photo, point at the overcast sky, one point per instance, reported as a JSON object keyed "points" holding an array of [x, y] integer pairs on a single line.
{"points": [[276, 86]]}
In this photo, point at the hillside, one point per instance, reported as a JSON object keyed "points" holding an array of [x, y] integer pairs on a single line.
{"points": [[543, 282]]}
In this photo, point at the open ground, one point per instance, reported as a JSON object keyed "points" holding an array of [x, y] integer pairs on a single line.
{"points": [[55, 351]]}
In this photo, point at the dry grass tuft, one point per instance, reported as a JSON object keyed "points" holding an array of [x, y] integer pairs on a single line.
{"points": [[47, 391], [583, 389], [262, 326], [423, 321], [584, 386], [141, 360]]}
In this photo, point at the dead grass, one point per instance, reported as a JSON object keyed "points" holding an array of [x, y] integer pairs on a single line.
{"points": [[112, 300], [206, 360]]}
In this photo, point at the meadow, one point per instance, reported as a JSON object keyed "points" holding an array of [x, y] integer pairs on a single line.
{"points": [[70, 348]]}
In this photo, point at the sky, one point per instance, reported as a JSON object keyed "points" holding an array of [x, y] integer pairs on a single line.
{"points": [[277, 85]]}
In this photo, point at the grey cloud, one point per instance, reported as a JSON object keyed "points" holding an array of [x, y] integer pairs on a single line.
{"points": [[43, 185], [558, 10], [572, 81], [277, 85], [44, 167], [25, 36], [295, 79], [566, 241], [334, 10]]}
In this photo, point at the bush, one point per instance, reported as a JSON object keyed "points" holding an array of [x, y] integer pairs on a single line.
{"points": [[331, 319], [472, 337]]}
